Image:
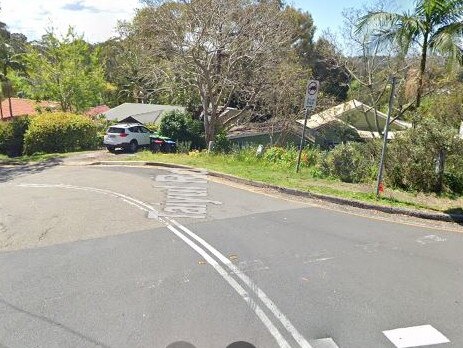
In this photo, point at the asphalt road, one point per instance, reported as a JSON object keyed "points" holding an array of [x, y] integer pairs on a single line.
{"points": [[94, 256]]}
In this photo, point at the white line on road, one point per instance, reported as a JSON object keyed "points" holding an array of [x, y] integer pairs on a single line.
{"points": [[415, 336], [237, 287], [324, 343], [232, 282], [259, 293]]}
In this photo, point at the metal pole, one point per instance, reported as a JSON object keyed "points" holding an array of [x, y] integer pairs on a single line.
{"points": [[301, 145], [386, 131]]}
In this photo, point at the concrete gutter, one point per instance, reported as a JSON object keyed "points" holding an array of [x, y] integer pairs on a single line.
{"points": [[423, 214]]}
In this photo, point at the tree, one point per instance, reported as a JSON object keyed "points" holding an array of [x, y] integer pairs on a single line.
{"points": [[215, 47], [65, 70], [435, 25], [11, 47]]}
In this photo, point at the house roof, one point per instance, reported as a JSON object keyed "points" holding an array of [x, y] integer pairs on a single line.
{"points": [[143, 113], [357, 115], [97, 110], [21, 107]]}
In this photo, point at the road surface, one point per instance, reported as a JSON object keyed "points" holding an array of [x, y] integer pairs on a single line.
{"points": [[113, 256]]}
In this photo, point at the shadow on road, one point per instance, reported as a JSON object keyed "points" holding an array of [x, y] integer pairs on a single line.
{"points": [[54, 323], [456, 214], [10, 172]]}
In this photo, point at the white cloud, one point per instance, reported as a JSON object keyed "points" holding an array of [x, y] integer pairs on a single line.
{"points": [[95, 19]]}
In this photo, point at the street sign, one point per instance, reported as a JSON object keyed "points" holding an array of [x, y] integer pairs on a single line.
{"points": [[311, 94]]}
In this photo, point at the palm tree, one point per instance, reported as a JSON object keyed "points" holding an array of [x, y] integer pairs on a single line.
{"points": [[433, 25]]}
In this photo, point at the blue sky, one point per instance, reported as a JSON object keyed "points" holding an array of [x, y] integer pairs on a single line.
{"points": [[97, 18], [327, 14]]}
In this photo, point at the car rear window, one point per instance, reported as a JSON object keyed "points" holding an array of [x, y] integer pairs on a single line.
{"points": [[116, 130]]}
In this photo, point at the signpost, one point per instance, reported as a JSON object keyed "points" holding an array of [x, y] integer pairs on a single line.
{"points": [[310, 102]]}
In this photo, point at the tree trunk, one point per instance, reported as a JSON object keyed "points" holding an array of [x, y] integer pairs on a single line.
{"points": [[1, 109], [424, 54], [10, 106]]}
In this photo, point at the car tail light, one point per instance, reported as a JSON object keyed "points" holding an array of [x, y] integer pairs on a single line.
{"points": [[122, 135]]}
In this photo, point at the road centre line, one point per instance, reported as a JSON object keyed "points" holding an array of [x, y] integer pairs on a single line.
{"points": [[303, 343], [245, 279], [237, 287]]}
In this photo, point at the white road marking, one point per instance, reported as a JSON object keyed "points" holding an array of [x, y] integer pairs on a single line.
{"points": [[230, 280], [237, 287], [324, 343], [430, 239], [259, 293], [415, 336]]}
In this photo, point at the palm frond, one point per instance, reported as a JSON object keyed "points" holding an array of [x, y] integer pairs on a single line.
{"points": [[449, 40], [374, 20]]}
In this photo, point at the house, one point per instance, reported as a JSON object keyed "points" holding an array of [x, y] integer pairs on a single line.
{"points": [[141, 113], [350, 121], [21, 107], [97, 110], [266, 133]]}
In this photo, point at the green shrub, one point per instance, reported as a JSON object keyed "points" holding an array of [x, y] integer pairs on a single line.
{"points": [[287, 157], [222, 144], [349, 163], [12, 136], [274, 154], [411, 157], [60, 132], [152, 126], [180, 126]]}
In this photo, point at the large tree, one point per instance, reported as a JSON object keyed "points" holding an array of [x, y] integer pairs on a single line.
{"points": [[66, 70], [215, 47], [433, 25], [12, 45]]}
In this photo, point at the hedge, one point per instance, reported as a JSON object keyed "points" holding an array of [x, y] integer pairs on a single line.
{"points": [[12, 136], [60, 132]]}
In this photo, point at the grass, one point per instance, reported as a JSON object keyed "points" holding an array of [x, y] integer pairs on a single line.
{"points": [[259, 170], [40, 157]]}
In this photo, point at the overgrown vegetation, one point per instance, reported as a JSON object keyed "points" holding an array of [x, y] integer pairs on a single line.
{"points": [[277, 167], [12, 136], [181, 127], [60, 132]]}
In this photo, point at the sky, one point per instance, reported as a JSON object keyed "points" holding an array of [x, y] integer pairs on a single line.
{"points": [[96, 19]]}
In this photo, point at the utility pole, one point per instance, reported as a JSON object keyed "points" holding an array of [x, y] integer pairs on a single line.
{"points": [[386, 131]]}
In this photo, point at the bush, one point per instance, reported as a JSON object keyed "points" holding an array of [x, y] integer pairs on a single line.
{"points": [[180, 126], [411, 158], [12, 136], [288, 157], [60, 132], [350, 163], [222, 144]]}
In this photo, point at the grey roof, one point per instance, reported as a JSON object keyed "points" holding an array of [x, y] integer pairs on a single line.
{"points": [[143, 113]]}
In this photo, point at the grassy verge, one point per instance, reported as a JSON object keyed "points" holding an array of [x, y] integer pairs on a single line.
{"points": [[259, 170], [31, 158]]}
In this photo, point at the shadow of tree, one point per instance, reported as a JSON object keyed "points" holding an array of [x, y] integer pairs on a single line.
{"points": [[456, 214], [54, 323], [10, 172]]}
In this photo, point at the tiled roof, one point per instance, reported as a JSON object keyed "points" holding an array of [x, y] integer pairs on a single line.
{"points": [[21, 107], [97, 110]]}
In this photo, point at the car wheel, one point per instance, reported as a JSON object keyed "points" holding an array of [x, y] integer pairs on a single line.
{"points": [[111, 149], [133, 146]]}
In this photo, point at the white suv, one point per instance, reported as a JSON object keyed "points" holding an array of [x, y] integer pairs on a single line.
{"points": [[129, 136]]}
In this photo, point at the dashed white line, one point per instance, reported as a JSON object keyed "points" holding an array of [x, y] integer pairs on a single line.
{"points": [[324, 343], [415, 336]]}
